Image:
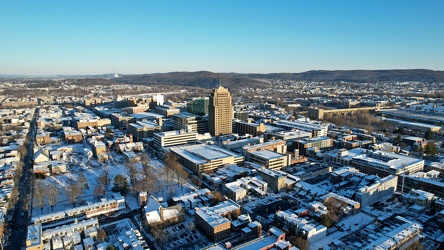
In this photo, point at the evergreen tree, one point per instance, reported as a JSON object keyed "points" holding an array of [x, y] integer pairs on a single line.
{"points": [[431, 149], [120, 184]]}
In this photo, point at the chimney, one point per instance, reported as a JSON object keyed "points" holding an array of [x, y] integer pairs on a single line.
{"points": [[131, 137], [161, 212], [142, 198]]}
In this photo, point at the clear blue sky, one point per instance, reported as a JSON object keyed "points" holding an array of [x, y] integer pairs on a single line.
{"points": [[92, 37]]}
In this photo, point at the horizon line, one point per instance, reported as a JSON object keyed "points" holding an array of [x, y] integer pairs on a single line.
{"points": [[98, 74]]}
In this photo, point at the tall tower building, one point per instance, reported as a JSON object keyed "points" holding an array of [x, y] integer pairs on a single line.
{"points": [[220, 112]]}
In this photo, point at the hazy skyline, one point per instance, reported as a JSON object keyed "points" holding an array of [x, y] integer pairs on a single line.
{"points": [[94, 37]]}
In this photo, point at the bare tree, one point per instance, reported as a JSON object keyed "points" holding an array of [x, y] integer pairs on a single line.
{"points": [[83, 182], [133, 173], [150, 178], [172, 163], [73, 190], [99, 191], [2, 229], [181, 174], [39, 193], [167, 175], [101, 235], [216, 197], [299, 242], [104, 179], [52, 193]]}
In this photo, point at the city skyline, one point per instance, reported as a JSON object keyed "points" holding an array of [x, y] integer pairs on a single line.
{"points": [[84, 37]]}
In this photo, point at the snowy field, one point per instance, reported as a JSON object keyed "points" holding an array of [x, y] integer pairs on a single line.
{"points": [[91, 169]]}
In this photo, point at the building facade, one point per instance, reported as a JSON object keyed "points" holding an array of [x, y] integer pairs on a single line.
{"points": [[198, 106], [174, 138], [220, 112], [190, 122], [248, 127], [202, 158], [377, 191]]}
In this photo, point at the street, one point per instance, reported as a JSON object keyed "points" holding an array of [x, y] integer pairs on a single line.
{"points": [[21, 217]]}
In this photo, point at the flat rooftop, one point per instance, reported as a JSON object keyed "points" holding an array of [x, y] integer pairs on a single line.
{"points": [[200, 154], [266, 154]]}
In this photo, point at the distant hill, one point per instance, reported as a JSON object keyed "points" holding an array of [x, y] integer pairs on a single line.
{"points": [[359, 75], [204, 79], [208, 79]]}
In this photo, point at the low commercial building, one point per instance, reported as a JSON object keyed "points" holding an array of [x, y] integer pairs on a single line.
{"points": [[167, 110], [238, 189], [34, 237], [71, 135], [174, 138], [268, 159], [144, 129], [212, 221], [385, 163], [278, 146], [248, 127], [138, 109], [234, 191], [421, 181], [345, 205], [98, 148], [287, 135], [314, 128], [121, 121], [420, 197], [342, 174], [205, 158], [301, 226], [276, 181], [190, 122], [315, 144], [42, 138], [377, 191], [275, 239]]}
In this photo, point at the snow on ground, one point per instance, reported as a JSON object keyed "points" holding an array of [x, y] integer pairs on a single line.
{"points": [[116, 229], [92, 170], [355, 222]]}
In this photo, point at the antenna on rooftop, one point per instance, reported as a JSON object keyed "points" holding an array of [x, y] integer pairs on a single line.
{"points": [[220, 81]]}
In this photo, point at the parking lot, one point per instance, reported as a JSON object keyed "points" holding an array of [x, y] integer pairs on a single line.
{"points": [[184, 235]]}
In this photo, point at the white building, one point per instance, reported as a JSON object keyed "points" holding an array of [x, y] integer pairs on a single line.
{"points": [[384, 163], [314, 128], [174, 138], [201, 158], [377, 191], [268, 159]]}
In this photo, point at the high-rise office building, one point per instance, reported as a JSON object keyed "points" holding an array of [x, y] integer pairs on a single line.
{"points": [[220, 112], [198, 106]]}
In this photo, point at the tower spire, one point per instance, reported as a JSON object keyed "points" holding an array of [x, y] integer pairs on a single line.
{"points": [[220, 81]]}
